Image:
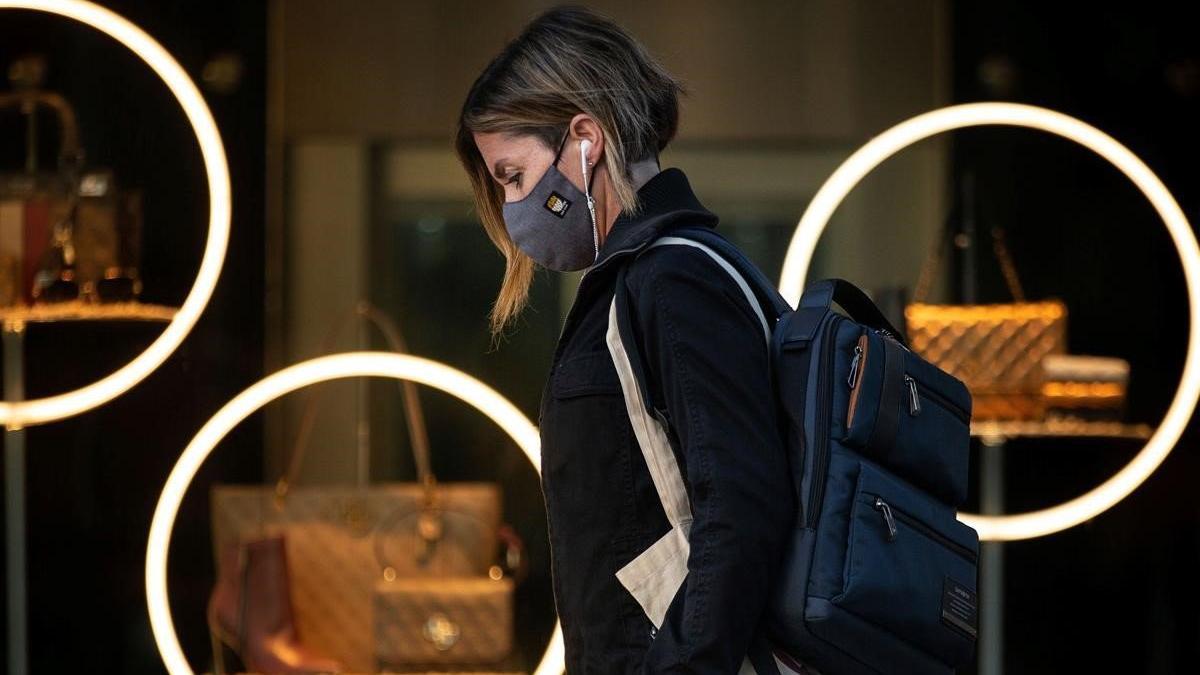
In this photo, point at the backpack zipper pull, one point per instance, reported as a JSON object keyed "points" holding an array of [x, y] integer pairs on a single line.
{"points": [[853, 379], [888, 518], [914, 399], [888, 334]]}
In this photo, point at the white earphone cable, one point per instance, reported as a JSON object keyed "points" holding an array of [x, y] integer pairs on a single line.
{"points": [[591, 203]]}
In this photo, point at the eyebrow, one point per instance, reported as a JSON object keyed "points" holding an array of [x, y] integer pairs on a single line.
{"points": [[500, 171]]}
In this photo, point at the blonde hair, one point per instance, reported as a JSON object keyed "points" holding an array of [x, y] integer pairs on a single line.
{"points": [[568, 60]]}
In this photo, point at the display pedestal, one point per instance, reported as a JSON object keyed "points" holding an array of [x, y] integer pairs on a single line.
{"points": [[15, 320], [993, 437]]}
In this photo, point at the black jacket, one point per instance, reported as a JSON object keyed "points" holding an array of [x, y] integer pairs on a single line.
{"points": [[706, 361]]}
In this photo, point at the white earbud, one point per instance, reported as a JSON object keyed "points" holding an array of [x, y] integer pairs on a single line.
{"points": [[584, 146]]}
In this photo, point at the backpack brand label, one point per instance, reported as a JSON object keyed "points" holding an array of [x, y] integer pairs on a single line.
{"points": [[960, 609]]}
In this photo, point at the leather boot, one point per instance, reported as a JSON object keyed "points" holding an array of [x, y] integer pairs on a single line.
{"points": [[250, 611]]}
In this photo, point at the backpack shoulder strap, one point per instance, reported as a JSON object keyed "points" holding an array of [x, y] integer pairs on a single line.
{"points": [[732, 271], [621, 315], [770, 300]]}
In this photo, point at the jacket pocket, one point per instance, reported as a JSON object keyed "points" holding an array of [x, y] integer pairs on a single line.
{"points": [[909, 416], [583, 375], [911, 567]]}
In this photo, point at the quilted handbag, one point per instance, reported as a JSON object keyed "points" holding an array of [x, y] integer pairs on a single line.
{"points": [[462, 621], [334, 533], [1085, 387], [995, 349], [451, 620]]}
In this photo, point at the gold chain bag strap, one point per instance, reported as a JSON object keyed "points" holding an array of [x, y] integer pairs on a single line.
{"points": [[332, 531], [995, 349]]}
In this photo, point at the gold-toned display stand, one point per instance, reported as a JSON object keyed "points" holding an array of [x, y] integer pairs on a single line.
{"points": [[14, 320], [993, 436]]}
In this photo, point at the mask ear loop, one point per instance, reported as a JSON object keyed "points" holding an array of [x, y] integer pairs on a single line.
{"points": [[587, 192]]}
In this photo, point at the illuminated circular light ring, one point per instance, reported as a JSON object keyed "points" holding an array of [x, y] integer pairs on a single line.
{"points": [[880, 148], [16, 414], [352, 364]]}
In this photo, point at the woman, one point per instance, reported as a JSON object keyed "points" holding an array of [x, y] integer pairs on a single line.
{"points": [[560, 136]]}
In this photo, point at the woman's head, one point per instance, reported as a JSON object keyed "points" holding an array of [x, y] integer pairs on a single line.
{"points": [[570, 75]]}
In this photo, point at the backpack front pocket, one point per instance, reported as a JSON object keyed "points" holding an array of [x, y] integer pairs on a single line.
{"points": [[911, 567], [909, 416]]}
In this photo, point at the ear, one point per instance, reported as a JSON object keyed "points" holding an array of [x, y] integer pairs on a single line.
{"points": [[584, 127]]}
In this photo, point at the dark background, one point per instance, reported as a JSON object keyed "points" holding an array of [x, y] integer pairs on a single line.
{"points": [[1118, 593], [1114, 594]]}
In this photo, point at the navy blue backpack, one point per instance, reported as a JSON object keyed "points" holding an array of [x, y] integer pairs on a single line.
{"points": [[879, 575]]}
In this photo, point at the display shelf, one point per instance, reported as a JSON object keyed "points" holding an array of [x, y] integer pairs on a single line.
{"points": [[79, 310], [1062, 427]]}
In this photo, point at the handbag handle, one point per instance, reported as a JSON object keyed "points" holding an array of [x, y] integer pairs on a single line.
{"points": [[417, 434], [27, 98], [999, 249], [825, 292], [70, 153]]}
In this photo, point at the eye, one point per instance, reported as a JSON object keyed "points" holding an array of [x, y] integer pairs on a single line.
{"points": [[516, 179]]}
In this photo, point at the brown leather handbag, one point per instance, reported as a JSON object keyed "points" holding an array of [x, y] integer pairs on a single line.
{"points": [[995, 349], [334, 534]]}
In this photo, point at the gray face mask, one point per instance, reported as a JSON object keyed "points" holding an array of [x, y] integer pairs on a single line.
{"points": [[555, 224]]}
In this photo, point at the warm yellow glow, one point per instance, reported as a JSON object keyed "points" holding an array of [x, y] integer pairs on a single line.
{"points": [[835, 189], [1085, 390], [1044, 312], [354, 364], [64, 405]]}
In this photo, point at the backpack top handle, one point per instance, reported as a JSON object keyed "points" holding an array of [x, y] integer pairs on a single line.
{"points": [[857, 304]]}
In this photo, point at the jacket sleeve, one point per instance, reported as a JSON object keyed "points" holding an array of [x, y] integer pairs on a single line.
{"points": [[706, 359]]}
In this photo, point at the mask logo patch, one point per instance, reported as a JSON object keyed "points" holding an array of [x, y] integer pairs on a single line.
{"points": [[557, 204]]}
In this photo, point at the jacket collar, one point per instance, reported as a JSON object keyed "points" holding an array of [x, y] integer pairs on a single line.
{"points": [[667, 202]]}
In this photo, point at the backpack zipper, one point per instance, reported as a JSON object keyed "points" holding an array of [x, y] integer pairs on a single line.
{"points": [[914, 399], [888, 518], [856, 365], [916, 386], [858, 352], [824, 417], [891, 515]]}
